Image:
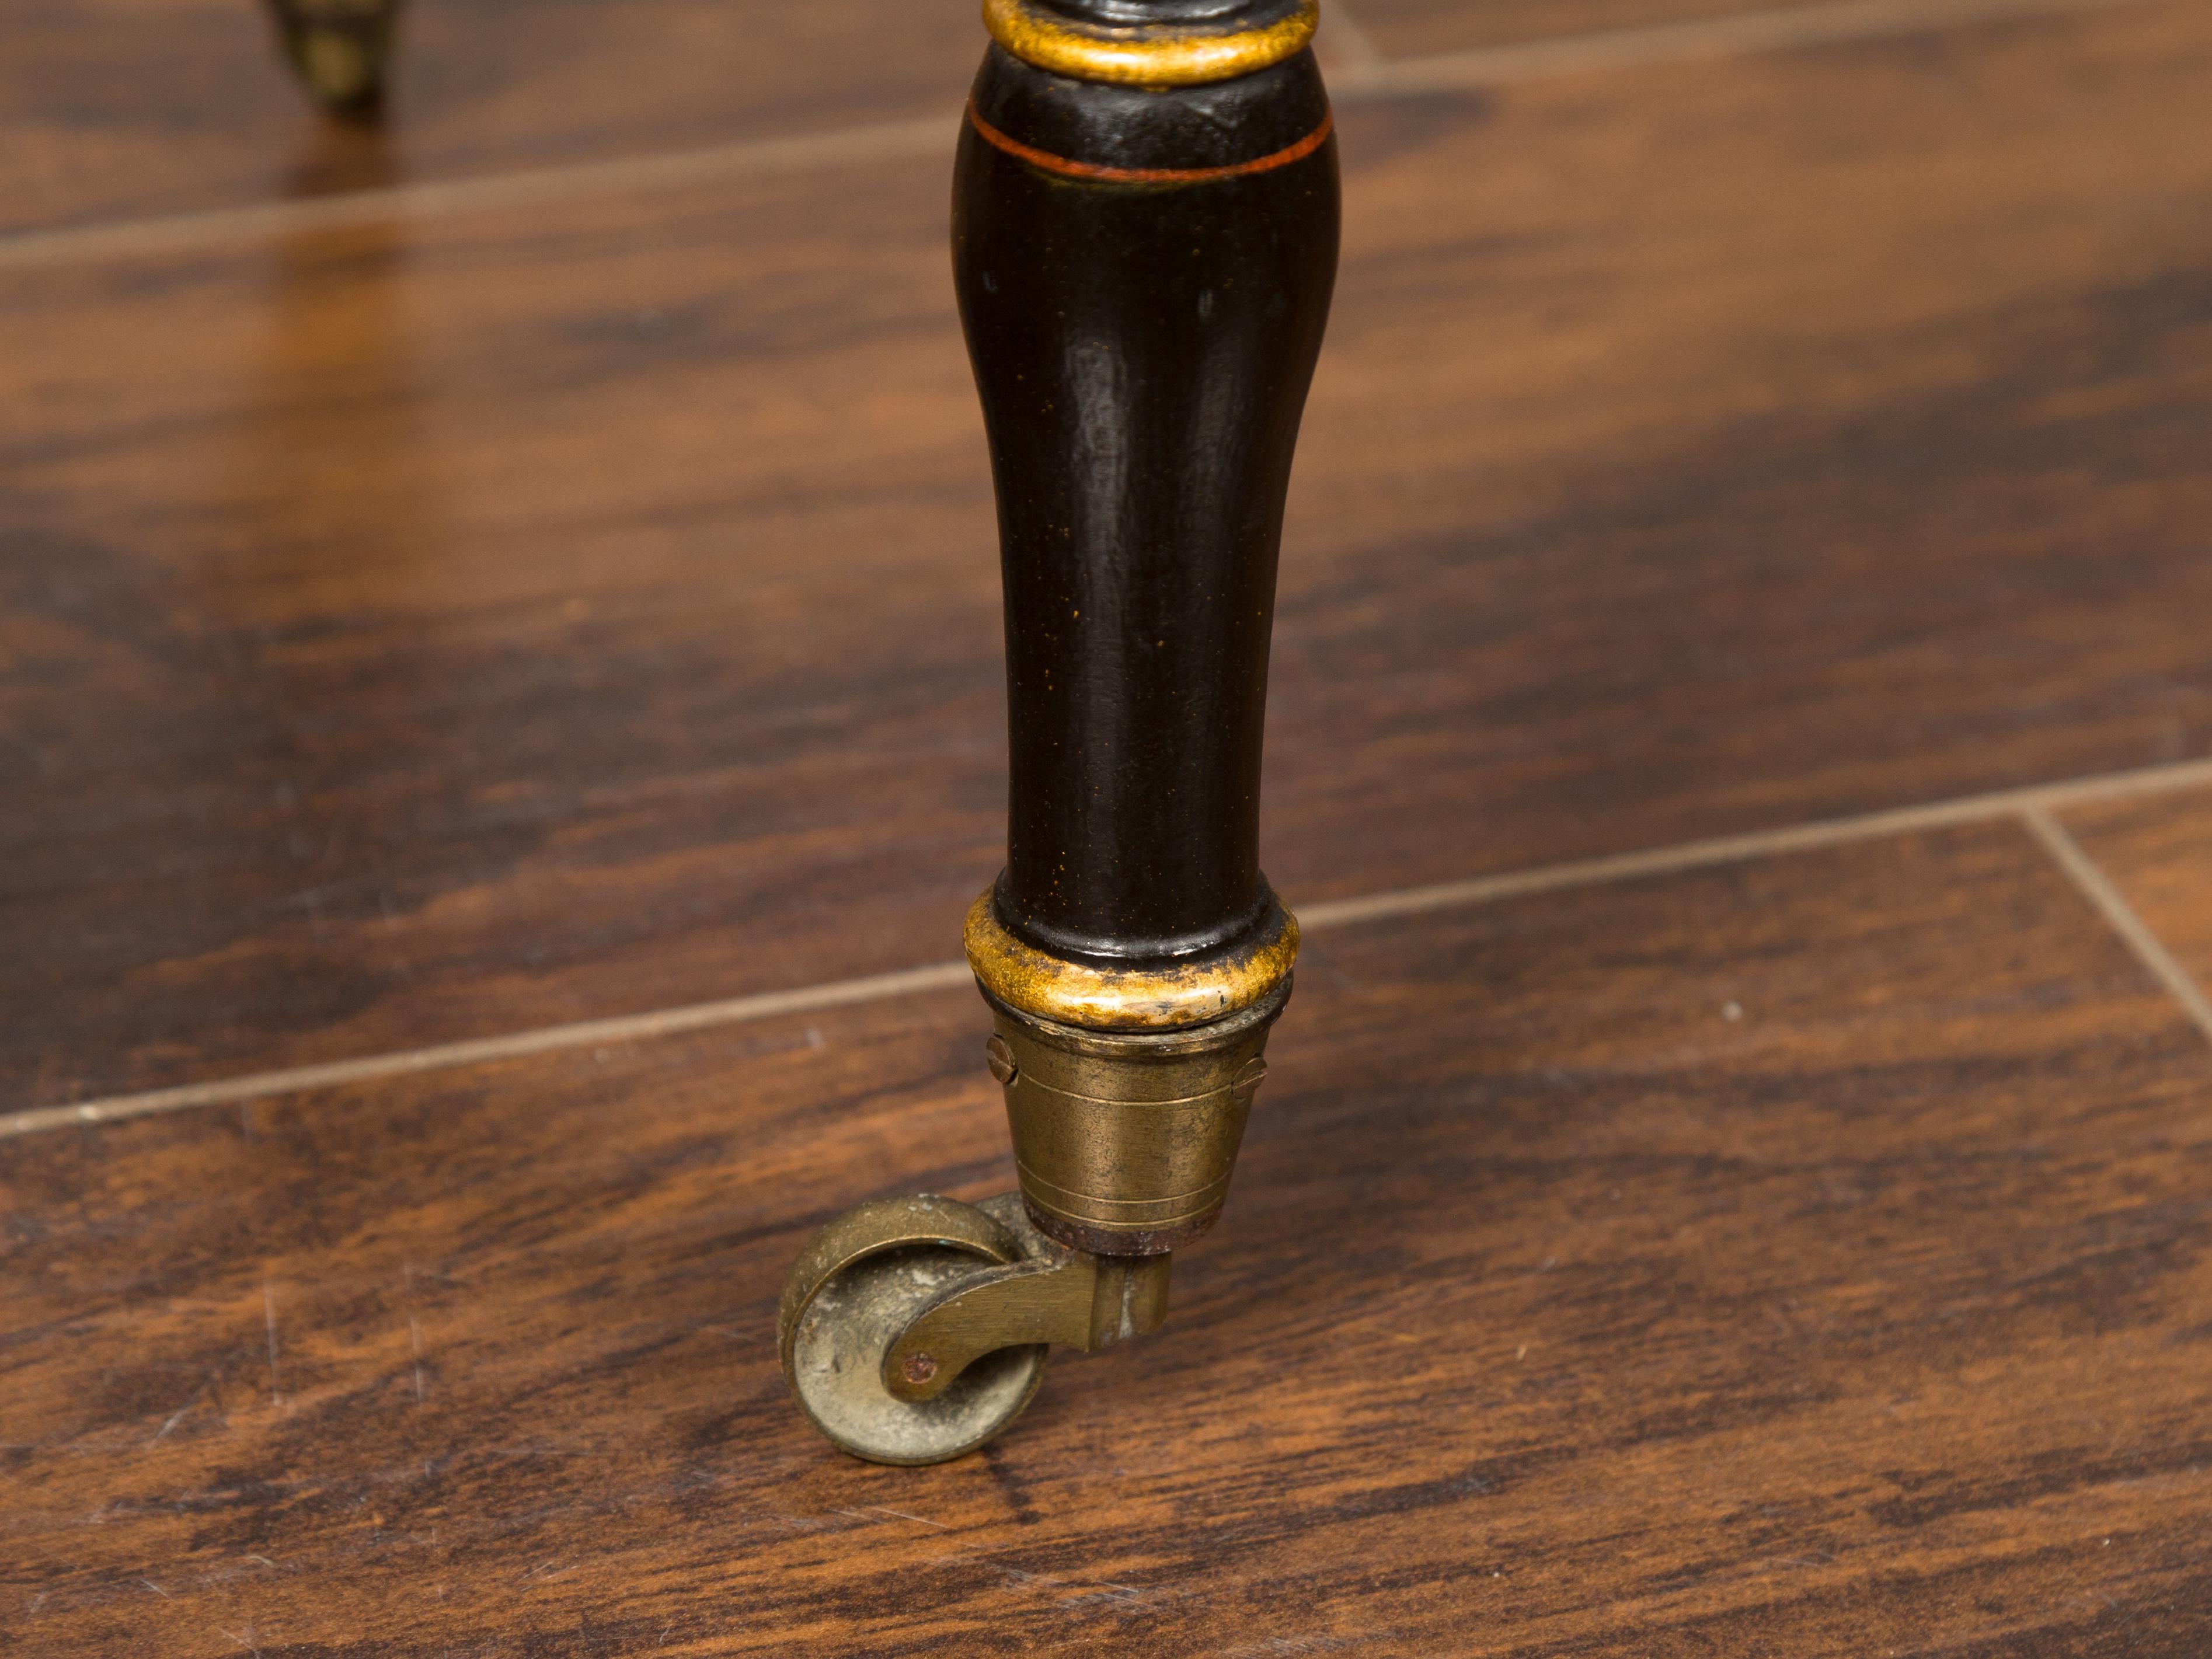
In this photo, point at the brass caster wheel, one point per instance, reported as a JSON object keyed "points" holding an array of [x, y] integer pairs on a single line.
{"points": [[339, 49], [863, 1280], [914, 1329]]}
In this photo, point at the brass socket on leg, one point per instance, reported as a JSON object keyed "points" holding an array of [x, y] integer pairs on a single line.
{"points": [[1124, 1141], [913, 1329]]}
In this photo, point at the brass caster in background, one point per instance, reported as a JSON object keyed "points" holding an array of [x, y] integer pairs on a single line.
{"points": [[914, 1329], [340, 48]]}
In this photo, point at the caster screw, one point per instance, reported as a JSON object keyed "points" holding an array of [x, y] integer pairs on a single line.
{"points": [[1000, 1057], [919, 1367]]}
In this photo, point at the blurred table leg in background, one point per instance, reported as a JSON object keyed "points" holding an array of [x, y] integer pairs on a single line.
{"points": [[341, 49]]}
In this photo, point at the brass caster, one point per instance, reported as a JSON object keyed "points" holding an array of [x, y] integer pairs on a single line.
{"points": [[339, 48], [914, 1329]]}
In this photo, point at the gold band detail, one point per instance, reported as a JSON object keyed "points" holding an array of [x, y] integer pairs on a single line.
{"points": [[1045, 986], [1154, 57]]}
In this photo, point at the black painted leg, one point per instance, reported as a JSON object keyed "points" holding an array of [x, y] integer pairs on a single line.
{"points": [[1145, 231]]}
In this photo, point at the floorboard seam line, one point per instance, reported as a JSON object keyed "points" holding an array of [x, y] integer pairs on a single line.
{"points": [[2088, 877], [1742, 34], [1761, 843], [477, 1051], [1356, 77], [441, 198], [2032, 802]]}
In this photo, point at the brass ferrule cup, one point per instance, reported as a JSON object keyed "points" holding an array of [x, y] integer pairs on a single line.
{"points": [[1125, 1141]]}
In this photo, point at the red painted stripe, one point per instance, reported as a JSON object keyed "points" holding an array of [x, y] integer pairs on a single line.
{"points": [[1038, 158]]}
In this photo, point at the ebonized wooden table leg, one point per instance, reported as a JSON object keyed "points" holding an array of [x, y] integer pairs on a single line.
{"points": [[1145, 232], [340, 49]]}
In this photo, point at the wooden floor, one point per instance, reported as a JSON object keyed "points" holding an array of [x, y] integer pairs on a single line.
{"points": [[500, 714]]}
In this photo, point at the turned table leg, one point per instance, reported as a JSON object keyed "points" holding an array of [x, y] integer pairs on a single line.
{"points": [[339, 48], [1145, 229]]}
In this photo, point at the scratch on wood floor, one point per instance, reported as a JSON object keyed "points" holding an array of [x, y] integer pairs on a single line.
{"points": [[269, 1313], [1120, 1596], [175, 1418], [903, 1515], [807, 1522], [414, 1329]]}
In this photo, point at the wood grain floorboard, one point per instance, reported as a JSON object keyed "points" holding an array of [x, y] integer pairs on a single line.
{"points": [[1808, 1257], [1468, 60], [1405, 28], [414, 632], [2159, 855], [115, 107]]}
